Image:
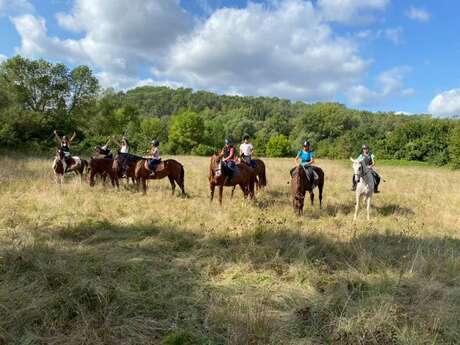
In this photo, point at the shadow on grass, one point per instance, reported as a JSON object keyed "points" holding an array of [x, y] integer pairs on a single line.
{"points": [[101, 283]]}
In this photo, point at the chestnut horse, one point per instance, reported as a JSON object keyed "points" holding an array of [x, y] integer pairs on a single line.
{"points": [[104, 168], [245, 179], [169, 167], [61, 166], [259, 171], [300, 184]]}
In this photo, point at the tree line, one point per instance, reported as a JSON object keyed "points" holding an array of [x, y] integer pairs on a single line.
{"points": [[37, 96]]}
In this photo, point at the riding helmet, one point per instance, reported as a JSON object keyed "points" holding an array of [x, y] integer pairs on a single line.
{"points": [[365, 146], [306, 143], [64, 137], [246, 137], [228, 142], [155, 143]]}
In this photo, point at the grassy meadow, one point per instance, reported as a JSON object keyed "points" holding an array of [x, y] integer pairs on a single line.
{"points": [[81, 265]]}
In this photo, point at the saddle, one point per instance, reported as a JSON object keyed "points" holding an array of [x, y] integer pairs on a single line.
{"points": [[70, 162], [155, 165], [248, 161]]}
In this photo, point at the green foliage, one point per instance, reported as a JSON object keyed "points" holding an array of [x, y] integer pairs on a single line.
{"points": [[37, 96], [186, 132], [278, 146]]}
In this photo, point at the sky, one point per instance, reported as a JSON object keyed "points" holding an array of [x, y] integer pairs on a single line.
{"points": [[378, 55]]}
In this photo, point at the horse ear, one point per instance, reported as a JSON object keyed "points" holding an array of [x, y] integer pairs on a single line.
{"points": [[352, 159]]}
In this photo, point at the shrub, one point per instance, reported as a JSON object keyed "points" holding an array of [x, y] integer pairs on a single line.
{"points": [[278, 146]]}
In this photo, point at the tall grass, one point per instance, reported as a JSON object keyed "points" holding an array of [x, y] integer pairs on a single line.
{"points": [[81, 265]]}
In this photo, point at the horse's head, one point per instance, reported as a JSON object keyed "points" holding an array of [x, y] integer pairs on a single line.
{"points": [[298, 189], [59, 154], [216, 164], [357, 169]]}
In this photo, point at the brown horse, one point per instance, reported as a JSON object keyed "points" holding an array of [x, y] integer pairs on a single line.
{"points": [[245, 179], [61, 166], [126, 162], [104, 168], [169, 167], [300, 184], [259, 171]]}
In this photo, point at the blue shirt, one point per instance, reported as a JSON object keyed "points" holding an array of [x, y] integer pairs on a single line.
{"points": [[305, 157]]}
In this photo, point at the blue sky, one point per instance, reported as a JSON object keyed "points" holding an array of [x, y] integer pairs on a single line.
{"points": [[369, 54]]}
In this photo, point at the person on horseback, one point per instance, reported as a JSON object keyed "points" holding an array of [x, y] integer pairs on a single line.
{"points": [[156, 159], [228, 160], [123, 146], [105, 151], [65, 143], [246, 150], [123, 150], [305, 157], [369, 159]]}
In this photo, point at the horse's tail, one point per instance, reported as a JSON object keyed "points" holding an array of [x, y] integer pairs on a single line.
{"points": [[86, 166], [263, 178]]}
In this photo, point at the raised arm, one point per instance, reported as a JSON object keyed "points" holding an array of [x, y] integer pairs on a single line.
{"points": [[116, 141], [58, 138], [107, 143], [74, 135]]}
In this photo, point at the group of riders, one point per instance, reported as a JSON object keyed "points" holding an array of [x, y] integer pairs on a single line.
{"points": [[305, 157]]}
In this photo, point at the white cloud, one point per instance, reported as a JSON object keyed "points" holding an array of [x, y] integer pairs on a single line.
{"points": [[394, 35], [118, 36], [351, 11], [14, 7], [446, 103], [418, 14], [3, 58], [391, 82], [284, 50]]}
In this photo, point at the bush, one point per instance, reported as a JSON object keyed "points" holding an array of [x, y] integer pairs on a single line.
{"points": [[203, 150], [278, 146]]}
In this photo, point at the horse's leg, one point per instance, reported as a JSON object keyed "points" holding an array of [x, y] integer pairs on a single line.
{"points": [[244, 189], [173, 184], [212, 187], [144, 185], [368, 201], [251, 188], [312, 198], [233, 191], [356, 207], [221, 192], [320, 188]]}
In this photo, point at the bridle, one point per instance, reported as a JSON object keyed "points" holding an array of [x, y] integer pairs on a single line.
{"points": [[217, 169]]}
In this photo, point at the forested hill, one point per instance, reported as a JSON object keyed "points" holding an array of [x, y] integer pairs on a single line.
{"points": [[38, 96]]}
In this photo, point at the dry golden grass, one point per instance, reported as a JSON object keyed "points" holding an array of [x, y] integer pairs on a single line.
{"points": [[81, 265]]}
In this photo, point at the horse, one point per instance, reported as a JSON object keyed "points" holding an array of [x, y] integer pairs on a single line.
{"points": [[129, 161], [300, 184], [61, 167], [245, 179], [169, 167], [365, 185], [104, 168], [260, 174]]}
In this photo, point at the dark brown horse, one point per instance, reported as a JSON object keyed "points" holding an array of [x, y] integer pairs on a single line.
{"points": [[104, 168], [300, 185], [260, 174], [245, 179], [61, 166], [168, 168], [125, 165]]}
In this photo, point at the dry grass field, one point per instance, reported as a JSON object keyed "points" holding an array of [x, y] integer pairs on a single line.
{"points": [[81, 265]]}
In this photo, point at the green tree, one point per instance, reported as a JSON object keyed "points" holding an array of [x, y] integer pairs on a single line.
{"points": [[186, 132], [278, 146], [454, 145]]}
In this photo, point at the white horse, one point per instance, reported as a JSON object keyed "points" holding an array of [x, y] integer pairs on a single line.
{"points": [[365, 185]]}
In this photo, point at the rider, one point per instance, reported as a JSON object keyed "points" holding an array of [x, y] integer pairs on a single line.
{"points": [[64, 143], [369, 159], [124, 150], [155, 153], [105, 151], [306, 158], [246, 150], [229, 156]]}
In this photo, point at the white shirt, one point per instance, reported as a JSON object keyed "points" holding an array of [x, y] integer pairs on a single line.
{"points": [[124, 149], [156, 153], [246, 149]]}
